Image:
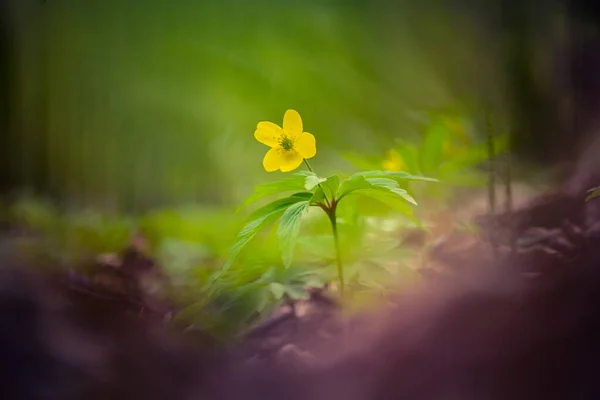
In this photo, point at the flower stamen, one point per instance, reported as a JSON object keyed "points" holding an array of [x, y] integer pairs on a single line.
{"points": [[286, 143]]}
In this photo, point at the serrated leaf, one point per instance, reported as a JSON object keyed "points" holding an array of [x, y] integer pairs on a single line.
{"points": [[312, 181], [277, 289], [383, 182], [266, 209], [289, 228], [260, 219], [404, 194], [397, 176], [331, 186], [293, 183], [354, 183], [318, 197], [359, 183], [393, 200]]}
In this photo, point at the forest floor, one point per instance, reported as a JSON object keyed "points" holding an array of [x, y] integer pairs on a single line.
{"points": [[543, 234]]}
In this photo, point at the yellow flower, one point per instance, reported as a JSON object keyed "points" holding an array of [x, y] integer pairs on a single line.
{"points": [[289, 145], [393, 161]]}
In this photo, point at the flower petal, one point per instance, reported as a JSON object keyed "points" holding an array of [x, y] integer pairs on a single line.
{"points": [[292, 123], [268, 133], [306, 145], [290, 161], [272, 160]]}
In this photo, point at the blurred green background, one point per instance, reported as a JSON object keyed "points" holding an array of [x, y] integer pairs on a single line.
{"points": [[122, 104]]}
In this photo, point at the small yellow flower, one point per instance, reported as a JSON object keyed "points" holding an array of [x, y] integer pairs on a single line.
{"points": [[289, 145], [393, 161]]}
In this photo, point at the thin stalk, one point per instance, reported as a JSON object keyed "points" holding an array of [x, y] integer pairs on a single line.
{"points": [[324, 194], [308, 166], [330, 210], [338, 251], [491, 176]]}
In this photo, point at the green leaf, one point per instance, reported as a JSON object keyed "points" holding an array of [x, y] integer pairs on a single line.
{"points": [[381, 189], [404, 194], [313, 280], [312, 181], [318, 197], [293, 183], [320, 246], [595, 192], [296, 292], [259, 220], [354, 183], [331, 186], [392, 186], [289, 229], [397, 176], [383, 182], [392, 200], [262, 301], [266, 209], [277, 289]]}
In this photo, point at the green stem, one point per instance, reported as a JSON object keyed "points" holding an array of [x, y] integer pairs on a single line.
{"points": [[338, 251], [330, 209], [308, 165], [329, 203], [491, 177]]}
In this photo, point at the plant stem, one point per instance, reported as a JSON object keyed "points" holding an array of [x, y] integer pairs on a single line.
{"points": [[330, 209], [329, 204], [491, 177], [308, 166], [338, 251]]}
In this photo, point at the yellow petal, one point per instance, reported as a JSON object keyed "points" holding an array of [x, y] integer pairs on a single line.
{"points": [[290, 161], [272, 160], [292, 123], [268, 133], [306, 145]]}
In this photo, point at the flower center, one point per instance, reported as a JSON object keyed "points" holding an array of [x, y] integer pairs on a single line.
{"points": [[286, 143]]}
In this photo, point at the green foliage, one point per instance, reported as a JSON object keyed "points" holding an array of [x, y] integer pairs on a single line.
{"points": [[290, 228], [447, 152], [259, 219], [299, 181], [326, 193]]}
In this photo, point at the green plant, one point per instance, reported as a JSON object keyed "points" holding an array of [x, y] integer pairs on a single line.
{"points": [[290, 146], [447, 151]]}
